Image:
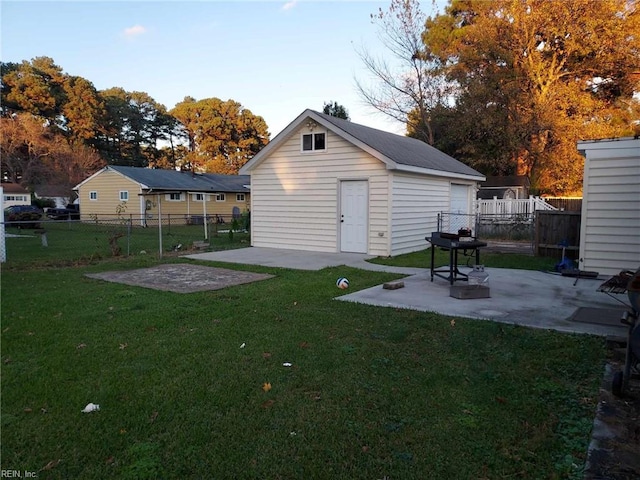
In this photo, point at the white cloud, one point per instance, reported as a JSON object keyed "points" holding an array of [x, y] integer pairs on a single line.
{"points": [[134, 31], [289, 5]]}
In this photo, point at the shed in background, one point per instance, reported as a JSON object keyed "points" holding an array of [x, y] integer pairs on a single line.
{"points": [[610, 227]]}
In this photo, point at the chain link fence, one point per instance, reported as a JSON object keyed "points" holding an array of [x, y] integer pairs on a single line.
{"points": [[109, 236], [507, 227]]}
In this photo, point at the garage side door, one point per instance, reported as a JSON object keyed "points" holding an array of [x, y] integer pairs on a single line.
{"points": [[459, 209]]}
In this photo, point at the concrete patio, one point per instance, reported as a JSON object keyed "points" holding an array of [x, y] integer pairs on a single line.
{"points": [[523, 297]]}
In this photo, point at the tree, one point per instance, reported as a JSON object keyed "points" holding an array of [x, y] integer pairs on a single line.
{"points": [[536, 76], [40, 87], [221, 135], [133, 126], [34, 153], [83, 110], [335, 110], [35, 87], [413, 85]]}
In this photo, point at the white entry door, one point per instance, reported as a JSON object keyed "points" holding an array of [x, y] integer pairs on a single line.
{"points": [[354, 205]]}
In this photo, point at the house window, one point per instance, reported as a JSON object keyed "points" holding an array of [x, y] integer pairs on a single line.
{"points": [[198, 197], [314, 142], [93, 195], [239, 197], [221, 197], [174, 197], [124, 196]]}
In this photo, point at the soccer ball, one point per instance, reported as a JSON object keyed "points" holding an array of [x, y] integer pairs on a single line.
{"points": [[342, 283]]}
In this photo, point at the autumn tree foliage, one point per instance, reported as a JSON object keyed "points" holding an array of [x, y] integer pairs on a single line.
{"points": [[221, 135], [524, 81], [58, 128], [33, 154], [48, 122], [543, 74]]}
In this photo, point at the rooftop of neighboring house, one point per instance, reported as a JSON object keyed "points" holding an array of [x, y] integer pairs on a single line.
{"points": [[13, 188]]}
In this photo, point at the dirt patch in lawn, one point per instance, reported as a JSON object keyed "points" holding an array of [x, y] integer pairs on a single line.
{"points": [[181, 277]]}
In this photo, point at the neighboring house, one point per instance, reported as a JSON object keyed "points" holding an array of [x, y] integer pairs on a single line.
{"points": [[59, 194], [610, 225], [14, 194], [329, 185], [145, 193], [505, 187]]}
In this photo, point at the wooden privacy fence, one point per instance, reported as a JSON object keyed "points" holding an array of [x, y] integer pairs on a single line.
{"points": [[555, 230], [572, 204]]}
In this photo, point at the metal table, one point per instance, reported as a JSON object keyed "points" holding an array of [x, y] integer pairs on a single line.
{"points": [[454, 244]]}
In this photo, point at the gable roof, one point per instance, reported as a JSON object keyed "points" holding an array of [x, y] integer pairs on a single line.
{"points": [[13, 188], [396, 151], [172, 180], [52, 191]]}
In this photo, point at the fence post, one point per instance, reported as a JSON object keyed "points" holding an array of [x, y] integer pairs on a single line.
{"points": [[129, 236], [531, 205], [3, 247]]}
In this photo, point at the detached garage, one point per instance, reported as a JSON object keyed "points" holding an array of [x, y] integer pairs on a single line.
{"points": [[329, 185], [610, 225]]}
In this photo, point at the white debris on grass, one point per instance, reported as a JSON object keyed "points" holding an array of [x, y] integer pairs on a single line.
{"points": [[91, 407]]}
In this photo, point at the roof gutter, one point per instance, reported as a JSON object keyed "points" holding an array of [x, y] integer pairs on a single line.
{"points": [[436, 173]]}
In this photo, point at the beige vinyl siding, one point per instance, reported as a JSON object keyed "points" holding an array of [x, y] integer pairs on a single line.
{"points": [[609, 238], [294, 196], [188, 206], [108, 186], [417, 200]]}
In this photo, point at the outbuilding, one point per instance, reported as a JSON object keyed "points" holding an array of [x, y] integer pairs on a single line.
{"points": [[610, 224], [329, 185]]}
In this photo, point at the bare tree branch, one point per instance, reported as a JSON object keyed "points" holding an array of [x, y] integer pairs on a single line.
{"points": [[408, 91]]}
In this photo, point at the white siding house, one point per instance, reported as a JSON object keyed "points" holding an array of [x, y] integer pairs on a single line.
{"points": [[328, 185], [610, 226]]}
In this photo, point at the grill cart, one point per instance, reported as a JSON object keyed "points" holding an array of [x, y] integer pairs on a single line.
{"points": [[627, 282]]}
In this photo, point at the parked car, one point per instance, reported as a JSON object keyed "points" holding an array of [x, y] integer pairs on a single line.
{"points": [[70, 212], [23, 216]]}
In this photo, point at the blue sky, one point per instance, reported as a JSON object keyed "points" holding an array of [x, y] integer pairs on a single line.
{"points": [[275, 58]]}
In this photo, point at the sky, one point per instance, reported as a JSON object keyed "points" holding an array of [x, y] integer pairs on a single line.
{"points": [[276, 58]]}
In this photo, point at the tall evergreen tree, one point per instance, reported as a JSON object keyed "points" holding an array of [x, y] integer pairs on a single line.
{"points": [[335, 110]]}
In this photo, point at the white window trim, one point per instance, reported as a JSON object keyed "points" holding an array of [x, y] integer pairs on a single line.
{"points": [[92, 197], [221, 197], [126, 194], [169, 199], [313, 142], [194, 197], [238, 199]]}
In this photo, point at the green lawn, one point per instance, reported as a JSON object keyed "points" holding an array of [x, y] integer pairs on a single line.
{"points": [[371, 393], [82, 242]]}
